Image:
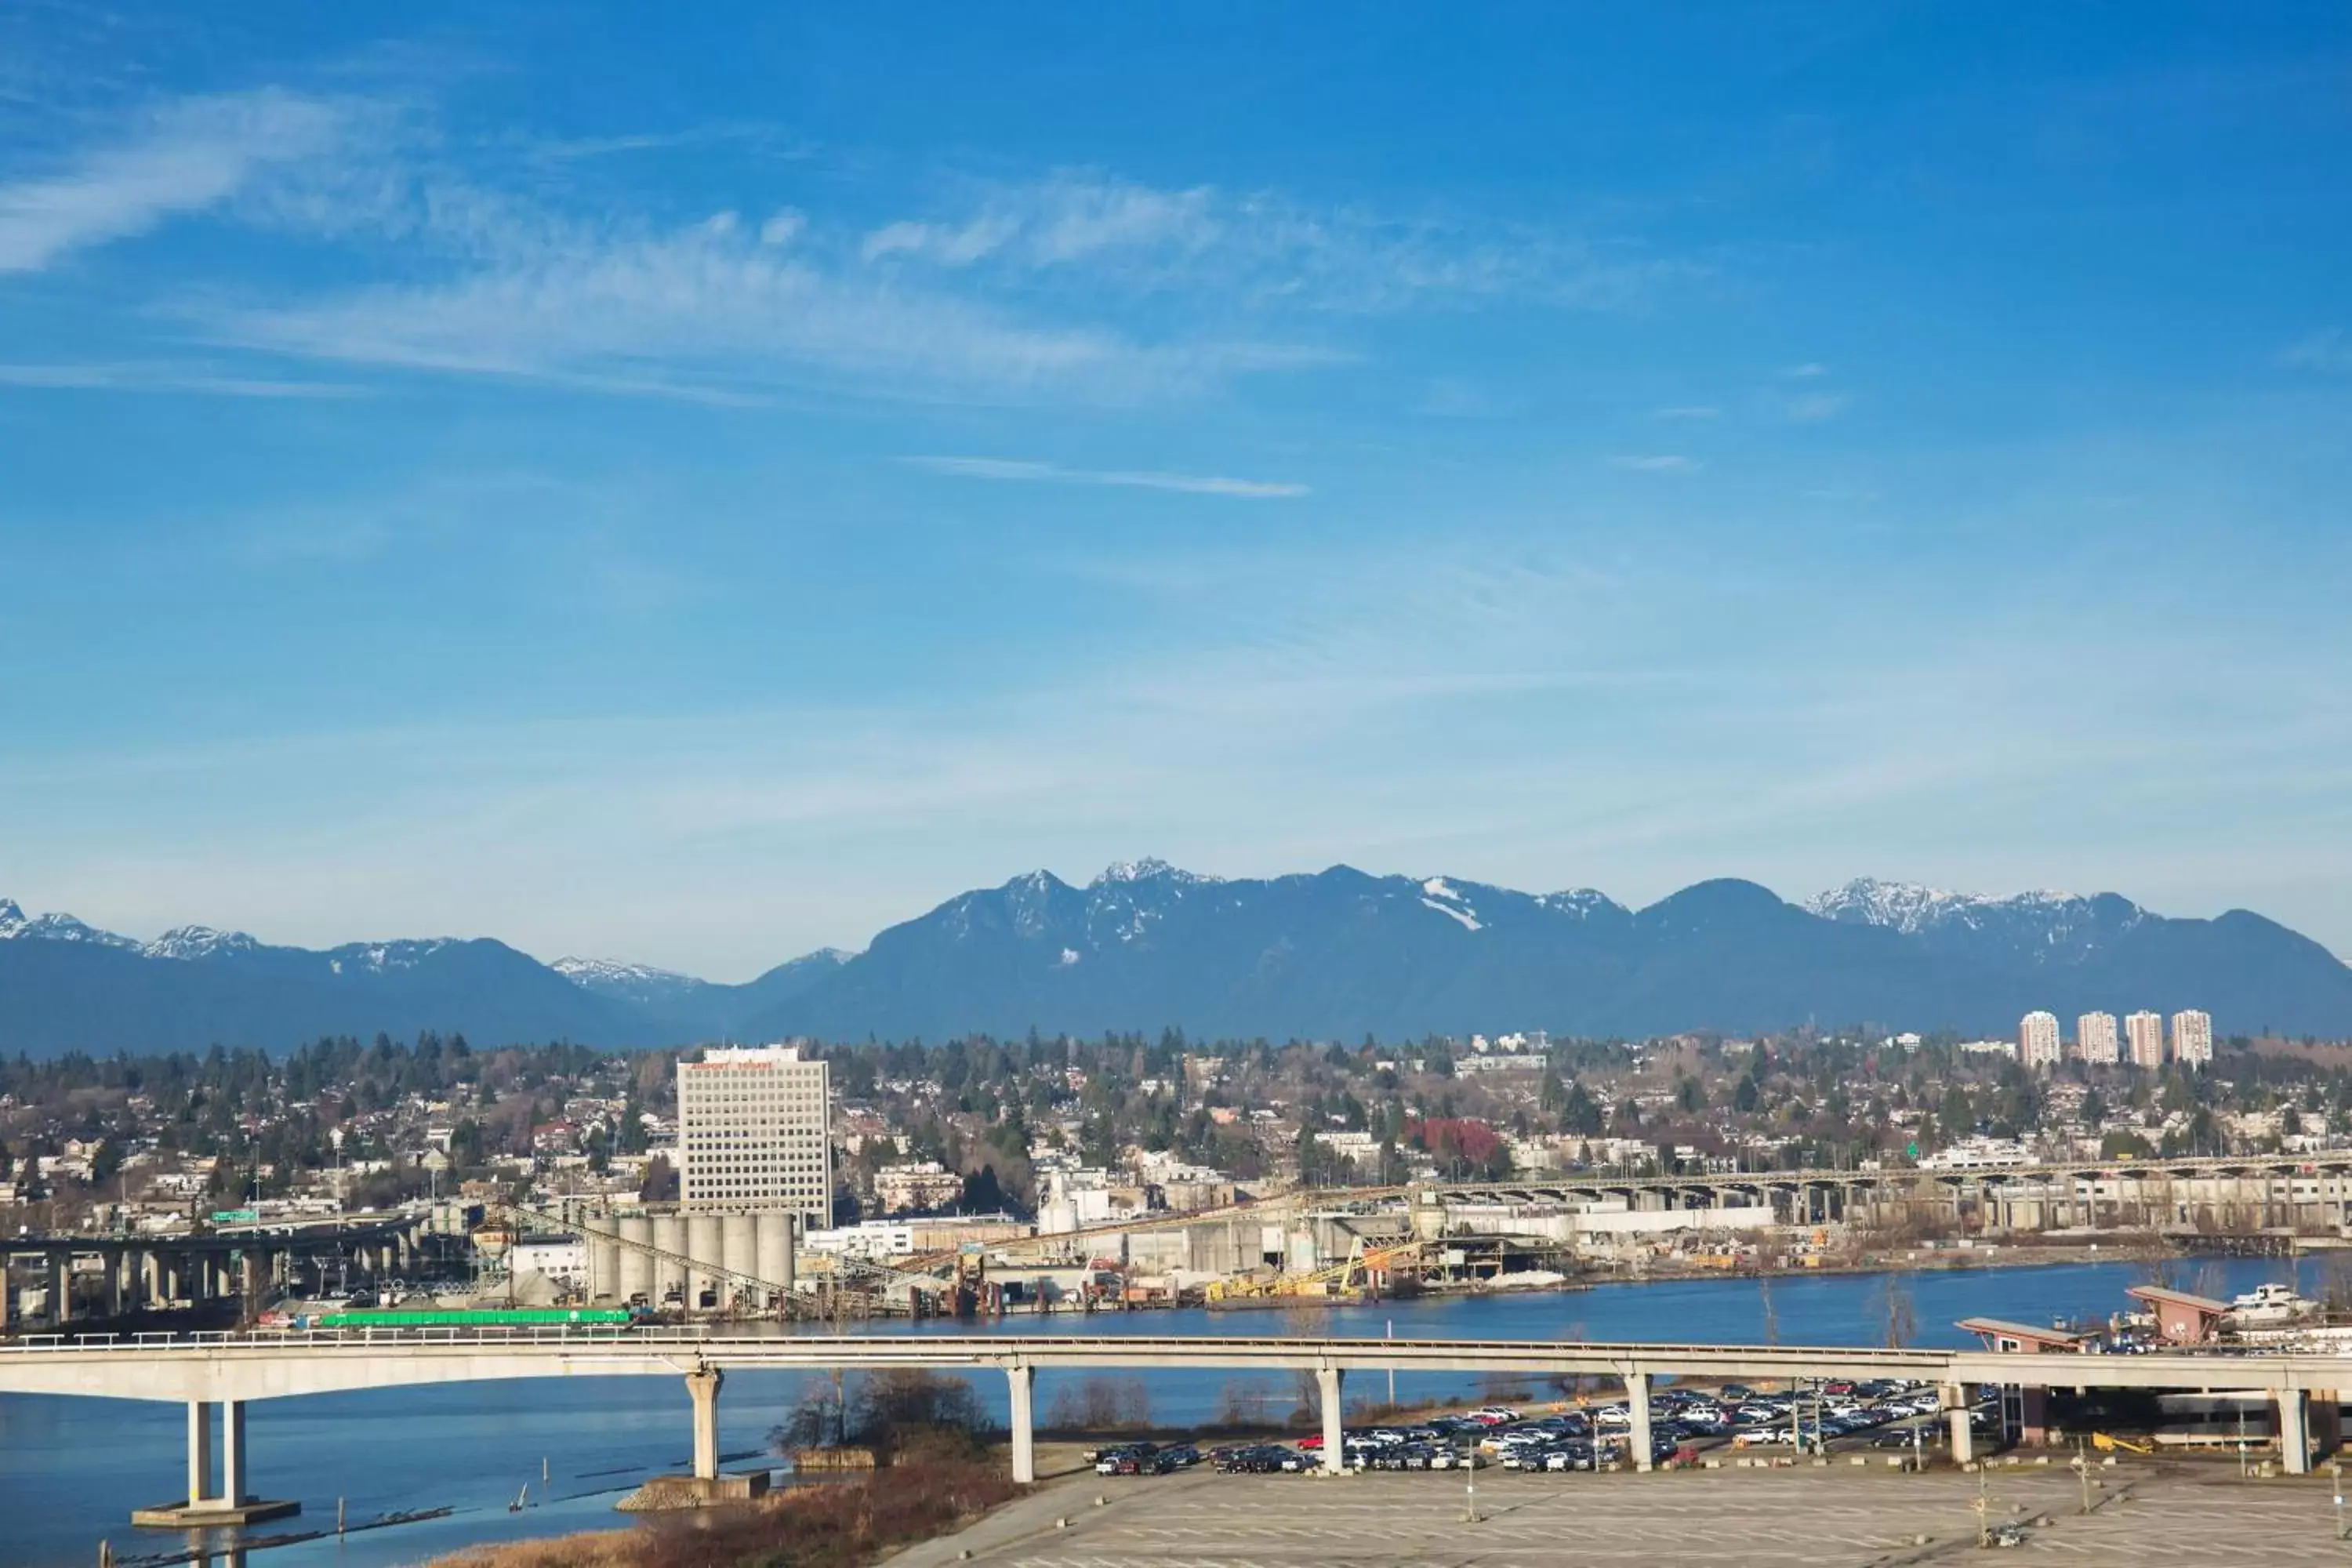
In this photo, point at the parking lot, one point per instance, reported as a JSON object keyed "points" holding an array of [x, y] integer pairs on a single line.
{"points": [[1900, 1420], [2159, 1516]]}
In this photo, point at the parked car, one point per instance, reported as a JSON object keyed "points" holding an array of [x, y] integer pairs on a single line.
{"points": [[1255, 1459]]}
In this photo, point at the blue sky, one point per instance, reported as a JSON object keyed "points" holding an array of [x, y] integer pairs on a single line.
{"points": [[695, 487]]}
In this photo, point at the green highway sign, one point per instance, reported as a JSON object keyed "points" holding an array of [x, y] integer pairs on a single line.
{"points": [[236, 1217]]}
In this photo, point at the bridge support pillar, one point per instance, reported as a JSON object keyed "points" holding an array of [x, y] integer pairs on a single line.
{"points": [[233, 1490], [60, 1288], [703, 1387], [200, 1452], [1964, 1437], [2294, 1431], [1025, 1437], [1328, 1381], [1637, 1410], [204, 1507]]}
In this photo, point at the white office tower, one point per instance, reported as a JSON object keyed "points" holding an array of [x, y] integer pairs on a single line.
{"points": [[2037, 1040], [2096, 1040], [2192, 1039], [752, 1132], [2144, 1038]]}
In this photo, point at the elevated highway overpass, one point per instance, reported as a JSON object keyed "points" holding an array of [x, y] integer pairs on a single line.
{"points": [[154, 1271]]}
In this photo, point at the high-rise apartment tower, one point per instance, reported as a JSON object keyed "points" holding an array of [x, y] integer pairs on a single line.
{"points": [[2192, 1039], [2037, 1040], [2096, 1040]]}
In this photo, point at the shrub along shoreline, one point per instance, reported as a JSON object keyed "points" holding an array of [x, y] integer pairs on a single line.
{"points": [[931, 1489]]}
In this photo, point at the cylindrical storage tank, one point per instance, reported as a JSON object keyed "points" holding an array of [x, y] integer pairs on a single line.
{"points": [[774, 1268], [669, 1273], [636, 1271], [702, 1250], [604, 1261], [739, 1251]]}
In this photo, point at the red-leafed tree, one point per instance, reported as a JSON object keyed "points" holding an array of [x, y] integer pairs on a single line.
{"points": [[1462, 1145]]}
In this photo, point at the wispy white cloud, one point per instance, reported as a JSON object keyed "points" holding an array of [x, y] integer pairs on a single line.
{"points": [[1076, 284], [1656, 462], [783, 227], [1014, 469], [1069, 217], [663, 314], [167, 378], [764, 139], [1813, 408], [1689, 411], [1267, 251], [2327, 349], [191, 156], [1806, 372]]}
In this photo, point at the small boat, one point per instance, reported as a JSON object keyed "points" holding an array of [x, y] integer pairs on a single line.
{"points": [[2273, 1303]]}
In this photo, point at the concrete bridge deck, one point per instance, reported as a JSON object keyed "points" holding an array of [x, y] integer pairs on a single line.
{"points": [[226, 1370]]}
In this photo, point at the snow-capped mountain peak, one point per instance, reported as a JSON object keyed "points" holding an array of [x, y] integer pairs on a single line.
{"points": [[1437, 893], [1148, 868], [1580, 902], [15, 924], [612, 972], [378, 957], [1911, 906], [191, 943]]}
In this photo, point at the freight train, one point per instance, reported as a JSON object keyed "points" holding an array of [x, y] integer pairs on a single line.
{"points": [[463, 1317]]}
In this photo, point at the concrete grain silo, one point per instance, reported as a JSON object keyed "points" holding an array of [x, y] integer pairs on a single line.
{"points": [[636, 1270], [737, 1253], [669, 1273], [603, 1260], [702, 1251], [775, 1227]]}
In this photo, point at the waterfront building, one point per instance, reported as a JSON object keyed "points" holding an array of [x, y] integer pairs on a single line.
{"points": [[916, 1184], [2037, 1040], [2096, 1040], [1978, 1153], [2192, 1037], [752, 1132], [2144, 1038]]}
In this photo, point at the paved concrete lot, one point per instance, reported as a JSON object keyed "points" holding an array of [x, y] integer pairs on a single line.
{"points": [[1839, 1516]]}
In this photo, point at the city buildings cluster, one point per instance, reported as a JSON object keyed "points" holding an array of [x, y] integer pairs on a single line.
{"points": [[2140, 1042]]}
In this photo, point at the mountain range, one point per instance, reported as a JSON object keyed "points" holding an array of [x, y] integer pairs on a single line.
{"points": [[1336, 955]]}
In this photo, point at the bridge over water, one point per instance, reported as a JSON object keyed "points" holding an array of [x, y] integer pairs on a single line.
{"points": [[222, 1372]]}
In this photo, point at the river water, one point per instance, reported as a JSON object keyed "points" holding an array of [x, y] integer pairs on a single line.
{"points": [[71, 1469]]}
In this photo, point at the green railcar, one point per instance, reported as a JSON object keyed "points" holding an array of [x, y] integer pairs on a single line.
{"points": [[477, 1318]]}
